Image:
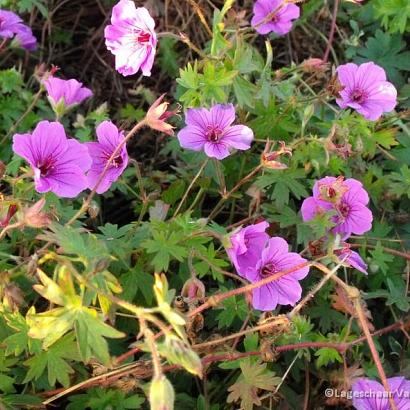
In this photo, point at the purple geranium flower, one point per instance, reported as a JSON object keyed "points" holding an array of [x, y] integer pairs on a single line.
{"points": [[59, 164], [131, 38], [108, 140], [246, 246], [211, 131], [347, 199], [65, 94], [12, 25], [351, 258], [70, 92], [26, 39], [366, 90], [284, 291], [274, 15], [370, 394]]}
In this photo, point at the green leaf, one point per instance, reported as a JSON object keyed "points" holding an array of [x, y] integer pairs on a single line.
{"points": [[218, 41], [104, 399], [174, 192], [86, 246], [233, 308], [10, 80], [254, 377], [90, 333], [380, 258], [55, 361], [327, 356], [19, 401], [387, 51], [280, 183], [164, 247], [395, 14], [244, 92], [20, 341]]}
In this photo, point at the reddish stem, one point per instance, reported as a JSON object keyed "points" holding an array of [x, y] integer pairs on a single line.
{"points": [[332, 32]]}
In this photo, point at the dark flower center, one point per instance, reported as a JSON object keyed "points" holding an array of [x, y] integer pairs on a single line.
{"points": [[358, 96], [344, 209], [268, 270], [116, 161], [213, 134], [45, 167], [143, 37], [331, 192]]}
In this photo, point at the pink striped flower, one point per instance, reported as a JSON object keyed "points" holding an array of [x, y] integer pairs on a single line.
{"points": [[366, 90], [131, 38]]}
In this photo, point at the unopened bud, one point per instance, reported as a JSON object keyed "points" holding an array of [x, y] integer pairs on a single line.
{"points": [[179, 352], [33, 216], [193, 289], [13, 296], [314, 65], [93, 210], [10, 213], [161, 394], [2, 169]]}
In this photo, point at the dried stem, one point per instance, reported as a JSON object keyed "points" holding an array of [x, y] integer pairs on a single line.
{"points": [[332, 31], [141, 370], [365, 327], [313, 292], [395, 252]]}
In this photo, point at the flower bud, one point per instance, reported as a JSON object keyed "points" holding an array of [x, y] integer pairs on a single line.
{"points": [[161, 394], [33, 216], [10, 213], [157, 116], [314, 65], [2, 169], [193, 289], [93, 210]]}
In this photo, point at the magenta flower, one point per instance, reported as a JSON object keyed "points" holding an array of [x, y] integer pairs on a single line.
{"points": [[370, 395], [284, 291], [274, 15], [131, 38], [26, 39], [246, 246], [346, 199], [59, 164], [351, 258], [12, 25], [65, 94], [211, 131], [108, 140], [366, 90]]}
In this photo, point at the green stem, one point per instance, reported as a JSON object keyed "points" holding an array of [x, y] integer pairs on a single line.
{"points": [[198, 174]]}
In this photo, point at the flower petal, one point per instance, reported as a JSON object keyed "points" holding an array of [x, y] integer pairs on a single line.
{"points": [[192, 137], [238, 136]]}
